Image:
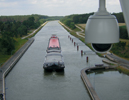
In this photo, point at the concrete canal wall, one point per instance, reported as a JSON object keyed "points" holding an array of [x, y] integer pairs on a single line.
{"points": [[7, 67], [87, 83]]}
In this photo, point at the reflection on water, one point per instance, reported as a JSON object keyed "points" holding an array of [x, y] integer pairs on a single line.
{"points": [[110, 84], [100, 71]]}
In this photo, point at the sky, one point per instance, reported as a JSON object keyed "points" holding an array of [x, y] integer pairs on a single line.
{"points": [[54, 7]]}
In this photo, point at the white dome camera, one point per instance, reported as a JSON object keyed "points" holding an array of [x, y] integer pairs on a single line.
{"points": [[102, 29]]}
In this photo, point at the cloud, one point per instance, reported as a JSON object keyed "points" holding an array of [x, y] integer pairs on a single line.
{"points": [[113, 2], [53, 7], [8, 4]]}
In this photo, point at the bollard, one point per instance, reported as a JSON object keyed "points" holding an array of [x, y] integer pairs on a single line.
{"points": [[68, 36], [72, 40], [77, 47], [74, 43], [87, 59], [81, 52]]}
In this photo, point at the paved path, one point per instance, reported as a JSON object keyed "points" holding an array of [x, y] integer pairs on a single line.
{"points": [[119, 60], [34, 31]]}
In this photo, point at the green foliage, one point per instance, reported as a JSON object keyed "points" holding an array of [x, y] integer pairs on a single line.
{"points": [[123, 32], [7, 44], [10, 30], [121, 49], [119, 17], [82, 18], [68, 22]]}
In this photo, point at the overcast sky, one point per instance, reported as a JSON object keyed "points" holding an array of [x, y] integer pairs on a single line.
{"points": [[54, 7]]}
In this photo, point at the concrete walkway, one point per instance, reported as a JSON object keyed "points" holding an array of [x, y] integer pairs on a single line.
{"points": [[87, 83]]}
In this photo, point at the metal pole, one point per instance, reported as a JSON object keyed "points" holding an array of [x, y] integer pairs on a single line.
{"points": [[102, 5]]}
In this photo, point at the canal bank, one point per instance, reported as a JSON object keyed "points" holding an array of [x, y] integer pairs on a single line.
{"points": [[7, 67], [88, 84]]}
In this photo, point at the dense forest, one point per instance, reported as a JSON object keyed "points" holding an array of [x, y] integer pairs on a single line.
{"points": [[82, 18], [71, 20], [21, 18], [14, 29]]}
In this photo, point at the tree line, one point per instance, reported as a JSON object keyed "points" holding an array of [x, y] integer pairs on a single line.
{"points": [[21, 18], [14, 29]]}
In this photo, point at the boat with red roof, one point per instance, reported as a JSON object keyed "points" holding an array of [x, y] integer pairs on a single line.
{"points": [[54, 59], [54, 44]]}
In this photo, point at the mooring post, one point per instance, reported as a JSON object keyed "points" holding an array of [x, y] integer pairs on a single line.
{"points": [[74, 43], [87, 59], [77, 47], [81, 52]]}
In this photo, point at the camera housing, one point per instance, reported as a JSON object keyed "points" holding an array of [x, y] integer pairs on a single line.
{"points": [[102, 30], [101, 47]]}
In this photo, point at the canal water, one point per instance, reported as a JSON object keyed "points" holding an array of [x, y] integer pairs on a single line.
{"points": [[28, 81], [110, 85]]}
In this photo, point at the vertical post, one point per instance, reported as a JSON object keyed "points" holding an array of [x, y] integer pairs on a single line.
{"points": [[81, 52], [87, 59], [74, 43], [72, 40], [77, 47]]}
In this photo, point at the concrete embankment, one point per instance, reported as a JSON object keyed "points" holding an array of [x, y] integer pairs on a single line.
{"points": [[87, 83], [6, 68]]}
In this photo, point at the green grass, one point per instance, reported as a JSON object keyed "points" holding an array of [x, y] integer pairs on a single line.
{"points": [[4, 57], [123, 70], [19, 43]]}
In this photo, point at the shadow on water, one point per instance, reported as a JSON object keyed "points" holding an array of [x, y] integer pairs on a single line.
{"points": [[53, 72], [100, 71]]}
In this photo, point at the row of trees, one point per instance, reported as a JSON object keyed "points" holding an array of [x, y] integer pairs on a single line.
{"points": [[21, 18], [9, 30]]}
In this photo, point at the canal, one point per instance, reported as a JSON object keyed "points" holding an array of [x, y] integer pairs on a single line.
{"points": [[110, 85], [28, 81]]}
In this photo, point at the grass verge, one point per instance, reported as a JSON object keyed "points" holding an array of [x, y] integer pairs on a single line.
{"points": [[123, 70], [18, 44]]}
